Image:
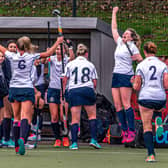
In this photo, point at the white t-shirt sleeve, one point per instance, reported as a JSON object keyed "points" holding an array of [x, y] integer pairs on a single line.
{"points": [[9, 54], [36, 55], [138, 70], [135, 50], [94, 73], [119, 40], [67, 71]]}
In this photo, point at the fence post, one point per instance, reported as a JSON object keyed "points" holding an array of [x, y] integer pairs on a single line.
{"points": [[74, 8]]}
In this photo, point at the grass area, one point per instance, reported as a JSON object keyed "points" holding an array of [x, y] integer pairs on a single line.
{"points": [[86, 157], [148, 18]]}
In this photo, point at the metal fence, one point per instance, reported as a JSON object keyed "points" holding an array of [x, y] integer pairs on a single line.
{"points": [[148, 17]]}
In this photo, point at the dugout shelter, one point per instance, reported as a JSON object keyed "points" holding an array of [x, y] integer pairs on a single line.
{"points": [[91, 31]]}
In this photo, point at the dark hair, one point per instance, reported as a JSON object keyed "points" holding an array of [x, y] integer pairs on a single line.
{"points": [[9, 42], [136, 38], [150, 47]]}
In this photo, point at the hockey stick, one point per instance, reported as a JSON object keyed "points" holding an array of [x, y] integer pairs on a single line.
{"points": [[48, 45], [38, 120], [57, 13]]}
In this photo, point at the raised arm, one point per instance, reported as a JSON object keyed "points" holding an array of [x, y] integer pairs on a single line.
{"points": [[114, 24], [70, 48], [51, 50]]}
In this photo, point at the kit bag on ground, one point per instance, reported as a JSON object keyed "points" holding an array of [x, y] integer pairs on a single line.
{"points": [[114, 133]]}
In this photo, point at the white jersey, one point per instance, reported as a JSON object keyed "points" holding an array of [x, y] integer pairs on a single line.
{"points": [[21, 69], [80, 73], [151, 70], [123, 60], [37, 80], [56, 71]]}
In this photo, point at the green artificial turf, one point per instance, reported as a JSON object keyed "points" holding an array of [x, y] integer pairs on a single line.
{"points": [[110, 156]]}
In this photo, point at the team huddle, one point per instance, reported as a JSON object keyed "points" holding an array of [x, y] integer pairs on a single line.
{"points": [[27, 89], [72, 84]]}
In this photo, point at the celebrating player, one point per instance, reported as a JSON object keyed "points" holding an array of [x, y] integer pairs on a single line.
{"points": [[122, 73], [150, 79], [21, 91], [82, 77]]}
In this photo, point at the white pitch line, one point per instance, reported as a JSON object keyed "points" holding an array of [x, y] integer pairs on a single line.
{"points": [[86, 152]]}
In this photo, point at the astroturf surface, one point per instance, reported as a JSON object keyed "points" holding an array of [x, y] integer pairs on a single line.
{"points": [[110, 156]]}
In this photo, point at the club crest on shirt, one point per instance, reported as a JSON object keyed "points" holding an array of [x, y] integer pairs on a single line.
{"points": [[51, 99]]}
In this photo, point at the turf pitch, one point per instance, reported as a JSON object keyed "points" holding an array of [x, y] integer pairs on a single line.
{"points": [[110, 156]]}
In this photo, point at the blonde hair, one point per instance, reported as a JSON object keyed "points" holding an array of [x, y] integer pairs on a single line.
{"points": [[24, 44], [150, 47], [81, 50], [136, 37]]}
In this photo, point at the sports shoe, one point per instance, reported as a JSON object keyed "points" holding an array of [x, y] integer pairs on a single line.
{"points": [[17, 150], [57, 143], [131, 137], [10, 143], [150, 158], [34, 128], [95, 144], [1, 144], [124, 136], [21, 146], [65, 142], [74, 146], [158, 126], [32, 137], [29, 146]]}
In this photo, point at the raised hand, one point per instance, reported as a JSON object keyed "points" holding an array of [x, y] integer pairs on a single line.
{"points": [[115, 9]]}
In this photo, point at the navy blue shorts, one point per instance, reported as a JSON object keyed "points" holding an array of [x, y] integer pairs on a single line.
{"points": [[42, 89], [21, 94], [81, 96], [1, 103], [152, 104], [53, 96], [121, 80]]}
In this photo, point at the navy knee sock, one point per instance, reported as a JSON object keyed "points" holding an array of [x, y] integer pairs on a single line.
{"points": [[40, 122], [16, 132], [74, 132], [148, 139], [24, 129], [56, 130], [122, 119], [28, 132], [6, 128], [93, 128], [130, 118]]}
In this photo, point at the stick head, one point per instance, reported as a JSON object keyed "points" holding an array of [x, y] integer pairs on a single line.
{"points": [[56, 12]]}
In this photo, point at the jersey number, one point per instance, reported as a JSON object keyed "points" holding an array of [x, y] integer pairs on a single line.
{"points": [[21, 64], [153, 69], [84, 77]]}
